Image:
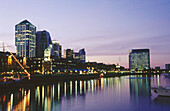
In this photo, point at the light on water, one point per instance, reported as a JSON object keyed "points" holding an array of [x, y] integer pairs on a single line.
{"points": [[126, 93]]}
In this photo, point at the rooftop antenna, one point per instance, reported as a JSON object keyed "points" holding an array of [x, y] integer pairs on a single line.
{"points": [[119, 60], [3, 46], [118, 63]]}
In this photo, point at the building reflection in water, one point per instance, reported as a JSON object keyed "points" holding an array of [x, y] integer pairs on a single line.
{"points": [[16, 101], [140, 89], [159, 80], [47, 97], [56, 96]]}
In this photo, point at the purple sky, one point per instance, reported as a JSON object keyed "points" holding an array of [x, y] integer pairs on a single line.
{"points": [[107, 29]]}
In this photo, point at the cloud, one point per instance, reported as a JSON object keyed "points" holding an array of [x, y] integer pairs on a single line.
{"points": [[156, 44]]}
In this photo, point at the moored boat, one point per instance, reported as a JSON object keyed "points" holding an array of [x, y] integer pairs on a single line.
{"points": [[166, 75], [160, 91], [9, 81]]}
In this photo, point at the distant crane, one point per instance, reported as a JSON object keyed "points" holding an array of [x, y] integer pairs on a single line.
{"points": [[119, 60], [3, 46], [118, 63]]}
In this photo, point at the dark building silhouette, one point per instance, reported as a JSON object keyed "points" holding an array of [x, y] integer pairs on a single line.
{"points": [[43, 39], [60, 51], [82, 54], [167, 66], [157, 68]]}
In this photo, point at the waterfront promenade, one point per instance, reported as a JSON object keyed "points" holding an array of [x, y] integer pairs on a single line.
{"points": [[38, 79]]}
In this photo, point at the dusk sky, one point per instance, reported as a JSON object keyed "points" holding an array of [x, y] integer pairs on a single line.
{"points": [[107, 29]]}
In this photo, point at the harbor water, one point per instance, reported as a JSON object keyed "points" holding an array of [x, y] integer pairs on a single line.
{"points": [[125, 93]]}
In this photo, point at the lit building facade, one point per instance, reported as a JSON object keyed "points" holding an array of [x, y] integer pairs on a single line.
{"points": [[82, 54], [56, 47], [139, 59], [25, 39], [68, 54], [43, 39], [65, 66], [76, 56], [9, 65]]}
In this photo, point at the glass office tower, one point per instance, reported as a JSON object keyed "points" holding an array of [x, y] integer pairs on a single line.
{"points": [[139, 59], [56, 47], [68, 53], [43, 41], [82, 54], [76, 56], [25, 39], [60, 51]]}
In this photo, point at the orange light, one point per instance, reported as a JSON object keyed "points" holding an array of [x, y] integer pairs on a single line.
{"points": [[24, 61], [20, 64], [10, 60]]}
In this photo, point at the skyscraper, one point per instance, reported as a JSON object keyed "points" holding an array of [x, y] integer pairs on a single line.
{"points": [[60, 51], [139, 59], [68, 53], [43, 39], [56, 47], [76, 56], [82, 54], [25, 39]]}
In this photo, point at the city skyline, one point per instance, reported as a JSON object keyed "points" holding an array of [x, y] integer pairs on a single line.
{"points": [[106, 29]]}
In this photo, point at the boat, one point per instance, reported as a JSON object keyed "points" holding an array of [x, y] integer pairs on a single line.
{"points": [[167, 76], [160, 91], [153, 95], [9, 81]]}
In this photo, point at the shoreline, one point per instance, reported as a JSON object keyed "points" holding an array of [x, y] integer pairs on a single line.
{"points": [[53, 78]]}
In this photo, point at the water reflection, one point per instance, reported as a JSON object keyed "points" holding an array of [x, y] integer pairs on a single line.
{"points": [[105, 93]]}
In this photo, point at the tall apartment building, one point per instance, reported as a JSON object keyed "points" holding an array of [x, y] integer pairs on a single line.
{"points": [[25, 39]]}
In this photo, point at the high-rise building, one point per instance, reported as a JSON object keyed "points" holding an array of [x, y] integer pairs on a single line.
{"points": [[25, 39], [139, 59], [82, 54], [68, 54], [56, 47], [76, 56], [43, 39], [167, 66], [60, 51]]}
